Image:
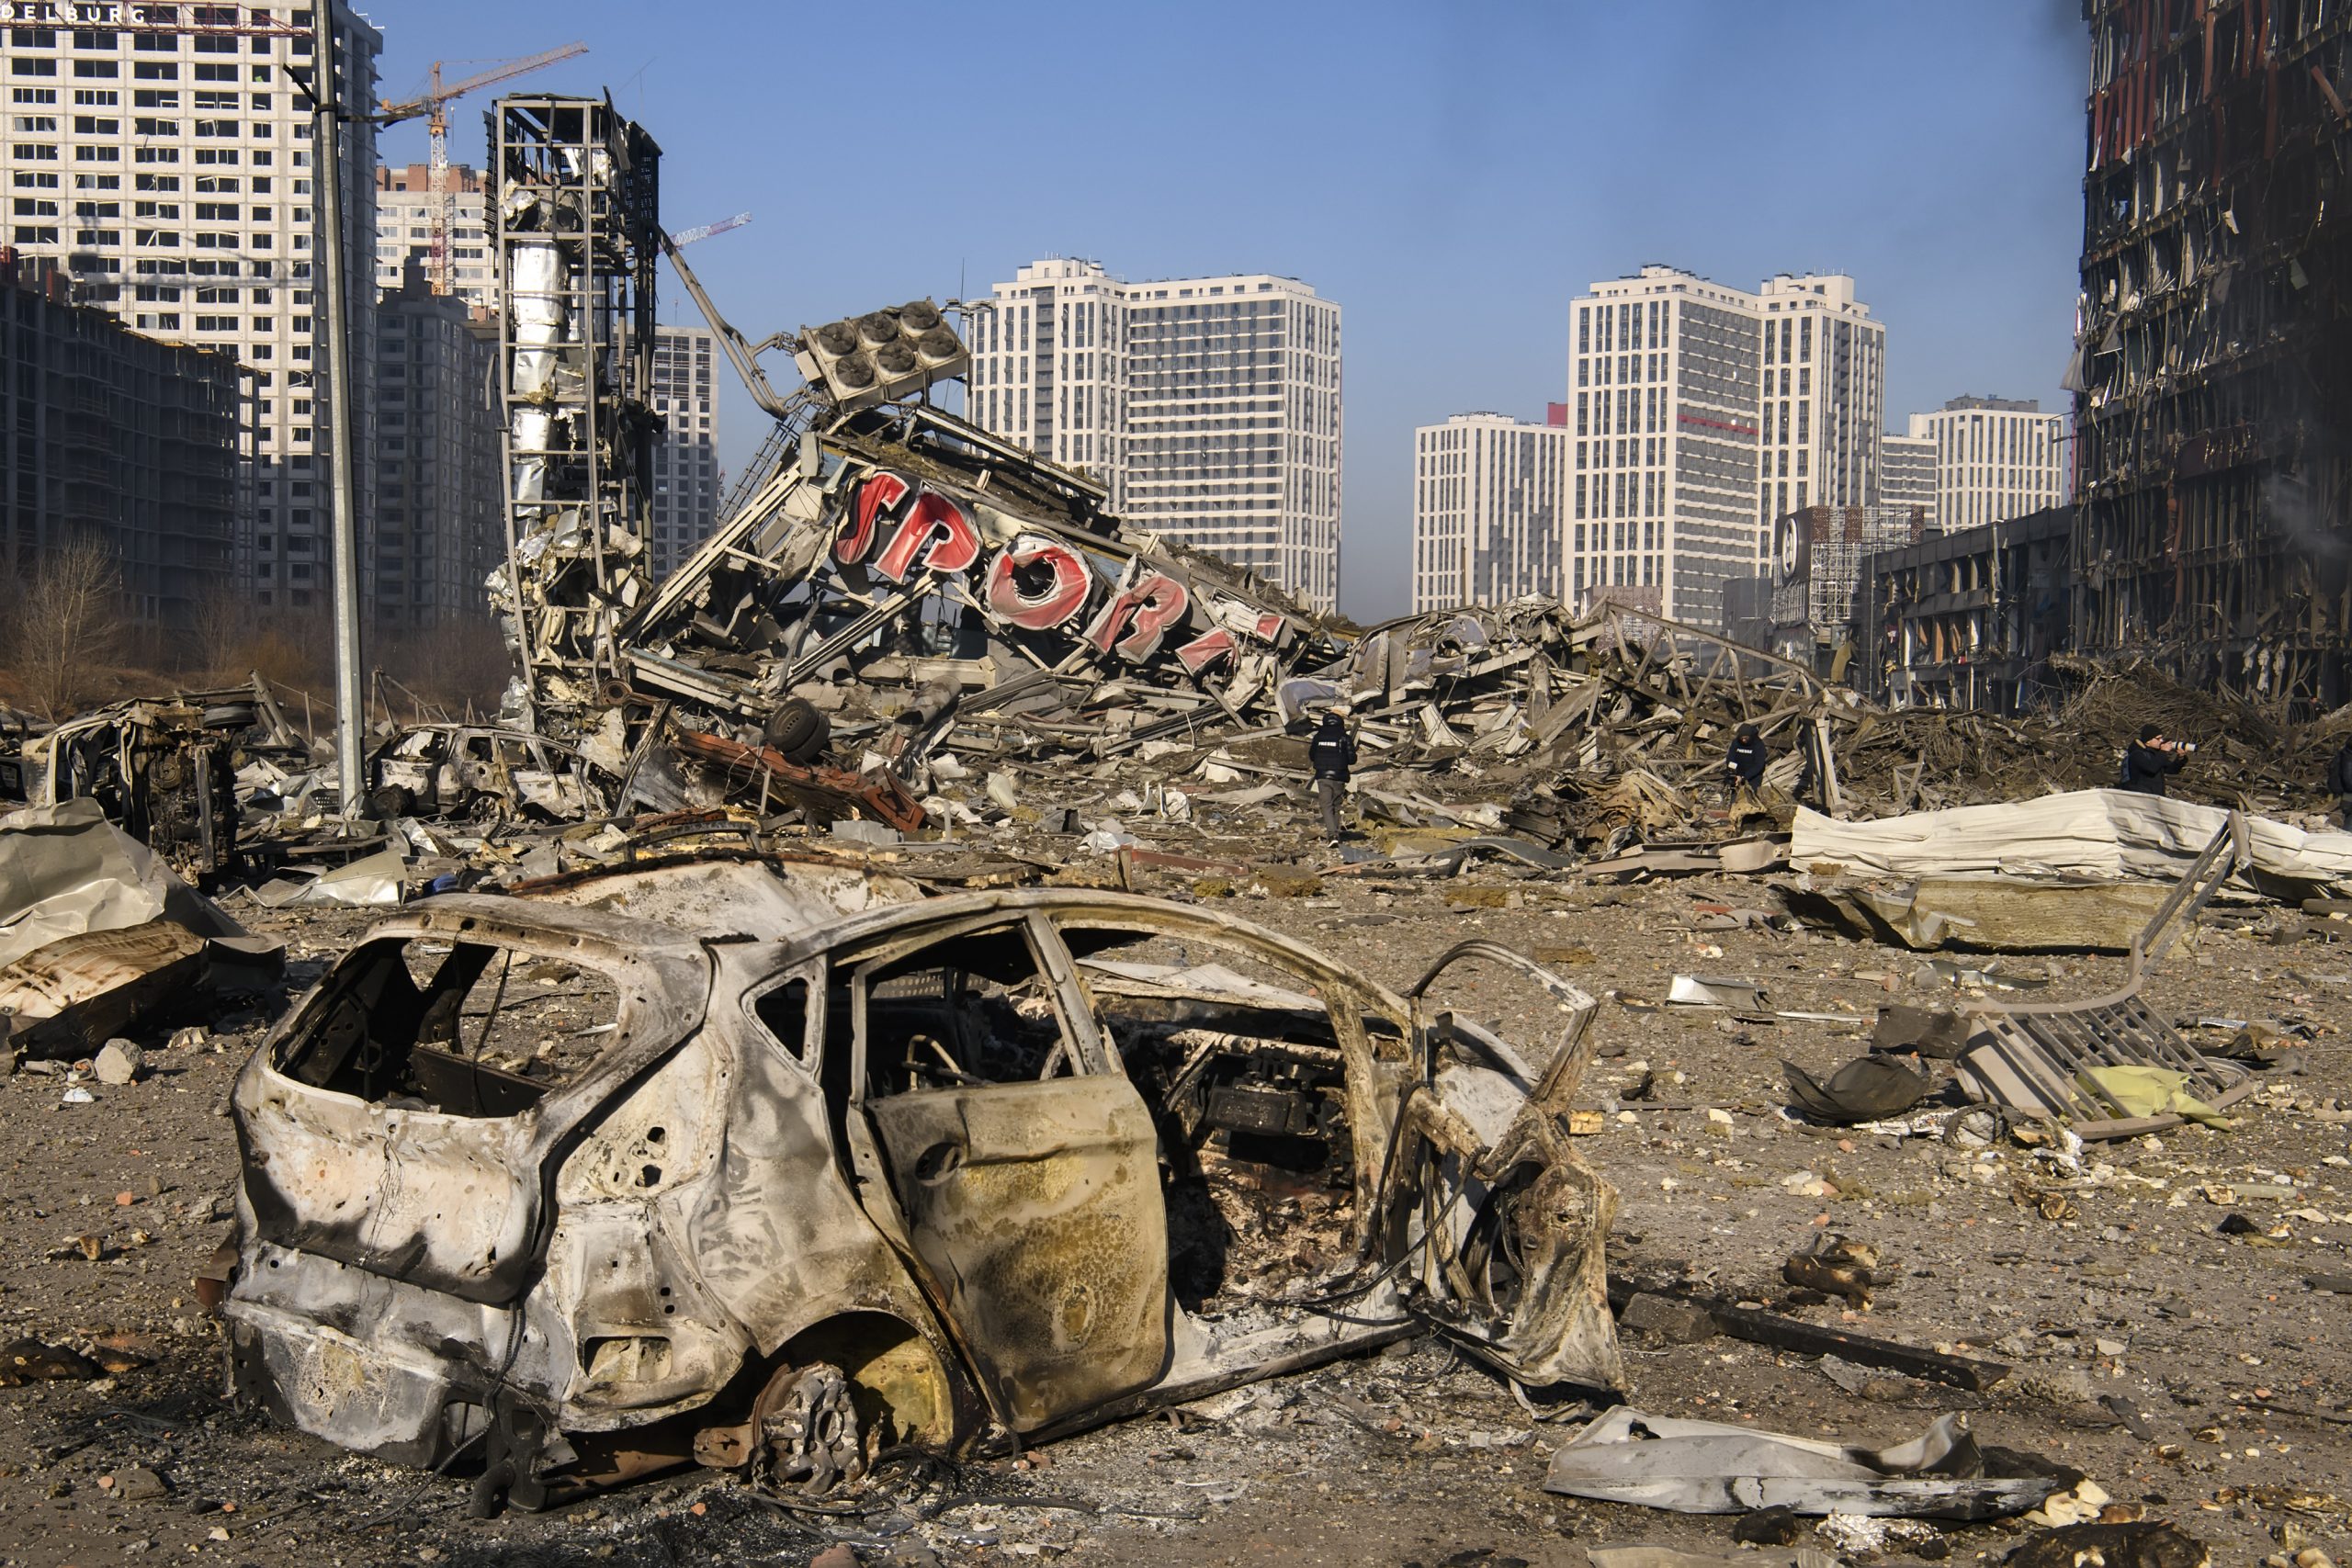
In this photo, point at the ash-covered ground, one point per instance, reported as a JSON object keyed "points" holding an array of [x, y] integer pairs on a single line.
{"points": [[2156, 1304]]}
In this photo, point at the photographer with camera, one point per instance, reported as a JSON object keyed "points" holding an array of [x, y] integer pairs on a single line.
{"points": [[2148, 758]]}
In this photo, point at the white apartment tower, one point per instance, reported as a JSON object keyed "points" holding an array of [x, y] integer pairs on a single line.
{"points": [[1701, 413], [1824, 402], [1906, 472], [1209, 407], [159, 154], [404, 207], [1995, 459], [685, 464], [1489, 503]]}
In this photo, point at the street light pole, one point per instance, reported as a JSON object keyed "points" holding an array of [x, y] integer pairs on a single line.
{"points": [[334, 326]]}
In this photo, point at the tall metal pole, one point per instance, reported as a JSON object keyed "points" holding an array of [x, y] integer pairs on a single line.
{"points": [[334, 316]]}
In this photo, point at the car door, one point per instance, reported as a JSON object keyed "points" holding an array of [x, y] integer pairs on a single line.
{"points": [[1022, 1164]]}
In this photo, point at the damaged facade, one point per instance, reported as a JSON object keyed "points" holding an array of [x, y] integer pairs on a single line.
{"points": [[1964, 620], [2212, 408]]}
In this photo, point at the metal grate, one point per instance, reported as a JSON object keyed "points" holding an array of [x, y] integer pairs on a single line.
{"points": [[2036, 1058]]}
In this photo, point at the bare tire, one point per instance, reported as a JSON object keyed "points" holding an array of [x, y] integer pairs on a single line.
{"points": [[799, 731]]}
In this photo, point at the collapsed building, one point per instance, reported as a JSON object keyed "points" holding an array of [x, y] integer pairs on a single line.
{"points": [[891, 575], [2212, 404]]}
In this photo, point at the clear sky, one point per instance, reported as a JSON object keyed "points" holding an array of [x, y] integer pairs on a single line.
{"points": [[1451, 174]]}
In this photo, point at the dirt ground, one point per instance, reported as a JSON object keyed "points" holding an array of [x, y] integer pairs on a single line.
{"points": [[2236, 1372]]}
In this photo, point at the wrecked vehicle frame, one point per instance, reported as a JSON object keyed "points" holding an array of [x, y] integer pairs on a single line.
{"points": [[941, 1172]]}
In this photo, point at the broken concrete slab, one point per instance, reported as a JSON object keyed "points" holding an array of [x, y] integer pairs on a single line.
{"points": [[119, 1062], [1667, 1320]]}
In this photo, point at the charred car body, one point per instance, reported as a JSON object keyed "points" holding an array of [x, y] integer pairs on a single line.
{"points": [[455, 770], [550, 1181], [166, 770]]}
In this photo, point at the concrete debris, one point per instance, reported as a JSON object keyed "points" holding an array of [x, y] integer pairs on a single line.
{"points": [[119, 1062], [2143, 1544]]}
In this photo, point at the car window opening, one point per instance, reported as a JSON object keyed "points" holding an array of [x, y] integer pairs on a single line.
{"points": [[466, 1029], [1250, 1091], [974, 1010]]}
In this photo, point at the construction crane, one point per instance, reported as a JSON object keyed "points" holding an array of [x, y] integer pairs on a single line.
{"points": [[434, 104]]}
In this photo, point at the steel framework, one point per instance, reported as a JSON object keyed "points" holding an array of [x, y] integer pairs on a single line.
{"points": [[576, 219]]}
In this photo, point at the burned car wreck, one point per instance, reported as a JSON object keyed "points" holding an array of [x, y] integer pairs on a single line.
{"points": [[772, 1165]]}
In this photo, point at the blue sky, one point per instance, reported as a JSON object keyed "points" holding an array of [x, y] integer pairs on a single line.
{"points": [[1451, 174]]}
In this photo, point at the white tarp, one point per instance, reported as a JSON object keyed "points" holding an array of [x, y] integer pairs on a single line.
{"points": [[2100, 835]]}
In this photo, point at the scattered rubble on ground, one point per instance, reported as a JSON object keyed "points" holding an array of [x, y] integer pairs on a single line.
{"points": [[1971, 1099]]}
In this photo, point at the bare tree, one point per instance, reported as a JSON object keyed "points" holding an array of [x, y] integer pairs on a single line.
{"points": [[220, 626], [68, 622]]}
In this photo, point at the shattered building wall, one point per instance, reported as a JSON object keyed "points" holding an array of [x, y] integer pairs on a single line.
{"points": [[118, 436], [1489, 494], [1208, 408], [1838, 537], [1966, 619], [2211, 408]]}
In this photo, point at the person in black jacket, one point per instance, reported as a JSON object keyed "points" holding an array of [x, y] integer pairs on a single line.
{"points": [[1743, 768], [1331, 753], [2339, 779], [2147, 759]]}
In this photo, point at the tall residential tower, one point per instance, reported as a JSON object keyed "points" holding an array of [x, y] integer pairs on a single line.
{"points": [[1489, 498], [1701, 413], [1209, 407], [1995, 459], [160, 155]]}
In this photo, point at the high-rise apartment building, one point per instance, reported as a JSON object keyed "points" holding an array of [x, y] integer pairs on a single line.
{"points": [[118, 436], [438, 521], [1489, 498], [1824, 402], [404, 207], [1995, 459], [1702, 412], [686, 465], [1906, 472], [159, 154], [1209, 407]]}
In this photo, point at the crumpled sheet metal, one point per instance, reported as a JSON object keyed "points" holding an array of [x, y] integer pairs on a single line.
{"points": [[66, 869], [370, 882], [94, 929], [1707, 1467]]}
